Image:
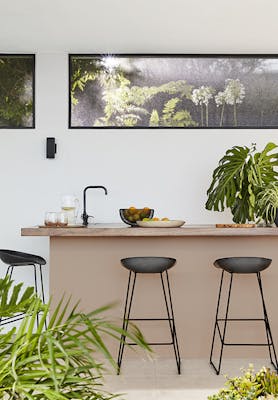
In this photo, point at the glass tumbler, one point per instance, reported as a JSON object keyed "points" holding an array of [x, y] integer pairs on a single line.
{"points": [[62, 219], [50, 219]]}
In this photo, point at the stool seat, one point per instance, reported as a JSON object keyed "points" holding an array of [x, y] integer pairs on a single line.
{"points": [[148, 265], [243, 265], [17, 258]]}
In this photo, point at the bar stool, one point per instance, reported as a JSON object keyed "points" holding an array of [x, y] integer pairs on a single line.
{"points": [[149, 265], [18, 259], [241, 265]]}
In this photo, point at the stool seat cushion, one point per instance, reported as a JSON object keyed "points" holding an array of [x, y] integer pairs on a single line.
{"points": [[148, 265], [243, 265], [16, 258]]}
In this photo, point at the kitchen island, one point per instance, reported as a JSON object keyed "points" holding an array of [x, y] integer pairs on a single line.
{"points": [[85, 263]]}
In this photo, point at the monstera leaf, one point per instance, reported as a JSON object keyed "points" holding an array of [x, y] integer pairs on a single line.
{"points": [[264, 164], [267, 203], [238, 178]]}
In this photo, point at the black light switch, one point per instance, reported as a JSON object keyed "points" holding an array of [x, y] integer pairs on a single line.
{"points": [[51, 147]]}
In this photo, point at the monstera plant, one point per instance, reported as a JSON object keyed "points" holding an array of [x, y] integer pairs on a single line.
{"points": [[241, 175]]}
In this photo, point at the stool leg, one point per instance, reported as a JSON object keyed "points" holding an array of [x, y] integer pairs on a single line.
{"points": [[36, 288], [128, 303], [42, 286], [216, 318], [171, 319], [174, 325], [216, 326], [42, 289], [267, 327], [9, 273]]}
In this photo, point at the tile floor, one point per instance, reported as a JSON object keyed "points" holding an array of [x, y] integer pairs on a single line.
{"points": [[158, 379]]}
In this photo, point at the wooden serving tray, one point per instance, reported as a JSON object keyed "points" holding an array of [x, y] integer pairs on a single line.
{"points": [[59, 227], [235, 225]]}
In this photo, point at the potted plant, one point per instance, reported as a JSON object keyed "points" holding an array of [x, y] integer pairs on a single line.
{"points": [[240, 176], [262, 385], [59, 362]]}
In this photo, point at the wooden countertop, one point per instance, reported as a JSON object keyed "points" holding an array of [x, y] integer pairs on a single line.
{"points": [[118, 230]]}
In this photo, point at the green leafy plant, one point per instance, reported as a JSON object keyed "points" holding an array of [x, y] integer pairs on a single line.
{"points": [[239, 177], [124, 104], [13, 302], [268, 381], [267, 203], [154, 119], [61, 361], [172, 117], [262, 385]]}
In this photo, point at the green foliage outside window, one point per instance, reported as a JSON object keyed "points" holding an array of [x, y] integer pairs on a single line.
{"points": [[132, 91], [16, 91], [126, 105]]}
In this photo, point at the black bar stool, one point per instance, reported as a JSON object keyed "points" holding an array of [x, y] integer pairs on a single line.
{"points": [[149, 265], [18, 259], [241, 265]]}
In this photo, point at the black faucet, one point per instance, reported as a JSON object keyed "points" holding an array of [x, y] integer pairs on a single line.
{"points": [[85, 216]]}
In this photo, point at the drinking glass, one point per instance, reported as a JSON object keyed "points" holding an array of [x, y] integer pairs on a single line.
{"points": [[62, 219], [50, 218]]}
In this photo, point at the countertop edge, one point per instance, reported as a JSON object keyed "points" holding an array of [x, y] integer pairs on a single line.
{"points": [[115, 230]]}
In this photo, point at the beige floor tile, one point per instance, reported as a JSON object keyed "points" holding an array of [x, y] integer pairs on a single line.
{"points": [[129, 383], [141, 395], [183, 395], [158, 379], [144, 369]]}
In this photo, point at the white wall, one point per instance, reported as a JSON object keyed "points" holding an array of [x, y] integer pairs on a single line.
{"points": [[167, 170]]}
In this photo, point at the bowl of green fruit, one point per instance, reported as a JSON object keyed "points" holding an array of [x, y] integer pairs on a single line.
{"points": [[131, 215]]}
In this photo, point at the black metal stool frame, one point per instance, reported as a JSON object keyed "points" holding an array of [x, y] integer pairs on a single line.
{"points": [[170, 319], [9, 273], [269, 344]]}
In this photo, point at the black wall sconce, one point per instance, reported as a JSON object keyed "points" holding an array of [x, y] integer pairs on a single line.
{"points": [[51, 147]]}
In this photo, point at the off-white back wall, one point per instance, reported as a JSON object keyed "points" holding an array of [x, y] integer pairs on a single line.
{"points": [[168, 170]]}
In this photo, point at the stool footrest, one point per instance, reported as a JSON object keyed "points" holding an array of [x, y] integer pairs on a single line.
{"points": [[8, 320], [150, 319], [240, 344], [246, 344], [18, 317], [240, 319], [153, 344]]}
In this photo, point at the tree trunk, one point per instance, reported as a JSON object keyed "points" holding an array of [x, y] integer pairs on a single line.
{"points": [[235, 115], [202, 115], [207, 115], [222, 115]]}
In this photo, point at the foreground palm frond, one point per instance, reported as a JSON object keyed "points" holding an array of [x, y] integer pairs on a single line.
{"points": [[11, 299], [60, 362]]}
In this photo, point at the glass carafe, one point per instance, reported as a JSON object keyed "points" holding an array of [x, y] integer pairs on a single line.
{"points": [[70, 206]]}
